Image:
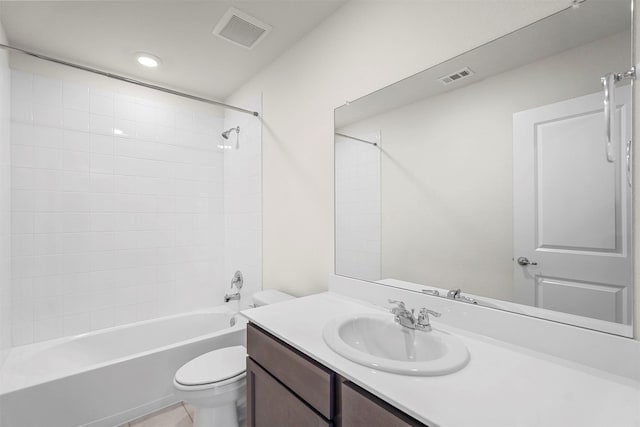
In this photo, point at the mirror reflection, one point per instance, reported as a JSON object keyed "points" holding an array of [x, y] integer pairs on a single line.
{"points": [[491, 179]]}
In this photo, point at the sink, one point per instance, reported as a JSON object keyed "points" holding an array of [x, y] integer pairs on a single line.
{"points": [[376, 341]]}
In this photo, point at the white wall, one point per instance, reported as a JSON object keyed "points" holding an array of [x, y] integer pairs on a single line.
{"points": [[110, 228], [5, 205], [365, 45], [447, 202], [357, 203]]}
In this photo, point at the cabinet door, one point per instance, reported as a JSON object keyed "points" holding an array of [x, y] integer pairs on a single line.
{"points": [[270, 404], [309, 380], [360, 408]]}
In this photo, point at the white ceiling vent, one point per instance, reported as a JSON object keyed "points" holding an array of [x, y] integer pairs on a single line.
{"points": [[458, 75], [241, 29]]}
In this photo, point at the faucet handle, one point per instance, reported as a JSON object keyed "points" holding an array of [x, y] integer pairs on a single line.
{"points": [[399, 308], [422, 322], [399, 304], [237, 280], [426, 312], [469, 300]]}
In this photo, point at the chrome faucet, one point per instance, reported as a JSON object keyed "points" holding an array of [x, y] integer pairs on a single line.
{"points": [[456, 294], [403, 317], [232, 297], [423, 323], [236, 281], [407, 318]]}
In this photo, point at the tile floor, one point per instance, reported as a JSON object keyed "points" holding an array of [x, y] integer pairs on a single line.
{"points": [[178, 415]]}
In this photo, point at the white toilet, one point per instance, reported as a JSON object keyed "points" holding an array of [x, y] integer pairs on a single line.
{"points": [[214, 383]]}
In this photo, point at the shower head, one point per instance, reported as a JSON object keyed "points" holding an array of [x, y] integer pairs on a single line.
{"points": [[226, 133]]}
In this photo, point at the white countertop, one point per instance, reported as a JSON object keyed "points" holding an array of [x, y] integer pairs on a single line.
{"points": [[502, 386]]}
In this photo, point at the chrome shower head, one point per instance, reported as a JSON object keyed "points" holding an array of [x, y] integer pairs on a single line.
{"points": [[226, 133]]}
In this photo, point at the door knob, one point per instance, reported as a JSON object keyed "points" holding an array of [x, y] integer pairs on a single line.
{"points": [[525, 261]]}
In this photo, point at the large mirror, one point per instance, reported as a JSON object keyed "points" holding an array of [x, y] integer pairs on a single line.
{"points": [[500, 177]]}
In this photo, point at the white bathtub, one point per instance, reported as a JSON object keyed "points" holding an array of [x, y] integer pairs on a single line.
{"points": [[108, 377]]}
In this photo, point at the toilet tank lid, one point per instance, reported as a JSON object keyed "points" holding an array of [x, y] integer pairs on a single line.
{"points": [[270, 296], [213, 367]]}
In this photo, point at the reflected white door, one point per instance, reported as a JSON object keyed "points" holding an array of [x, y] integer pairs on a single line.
{"points": [[572, 209]]}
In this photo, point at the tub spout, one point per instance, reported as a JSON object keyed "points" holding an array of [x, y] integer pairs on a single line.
{"points": [[232, 297], [236, 282]]}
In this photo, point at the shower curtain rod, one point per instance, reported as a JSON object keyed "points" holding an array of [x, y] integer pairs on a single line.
{"points": [[129, 80], [356, 139]]}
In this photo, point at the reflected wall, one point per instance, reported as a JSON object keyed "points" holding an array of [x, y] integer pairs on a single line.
{"points": [[447, 191]]}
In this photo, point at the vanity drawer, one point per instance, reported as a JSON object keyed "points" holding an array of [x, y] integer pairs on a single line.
{"points": [[312, 382], [271, 404], [359, 408]]}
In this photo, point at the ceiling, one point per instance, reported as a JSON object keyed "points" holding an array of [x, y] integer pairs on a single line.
{"points": [[107, 34]]}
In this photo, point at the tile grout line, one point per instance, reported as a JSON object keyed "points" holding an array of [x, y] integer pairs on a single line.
{"points": [[187, 411]]}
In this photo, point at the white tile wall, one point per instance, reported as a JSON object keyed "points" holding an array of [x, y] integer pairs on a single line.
{"points": [[5, 207], [357, 189], [243, 202], [118, 208]]}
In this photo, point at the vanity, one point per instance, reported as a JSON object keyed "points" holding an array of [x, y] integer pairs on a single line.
{"points": [[287, 388], [293, 374]]}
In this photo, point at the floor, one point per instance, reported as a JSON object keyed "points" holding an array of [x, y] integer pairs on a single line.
{"points": [[178, 415]]}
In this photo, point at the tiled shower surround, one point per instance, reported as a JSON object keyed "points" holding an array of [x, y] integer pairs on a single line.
{"points": [[5, 207], [357, 188], [117, 209], [243, 202]]}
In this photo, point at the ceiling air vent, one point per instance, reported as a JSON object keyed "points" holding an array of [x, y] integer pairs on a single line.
{"points": [[241, 29], [458, 75]]}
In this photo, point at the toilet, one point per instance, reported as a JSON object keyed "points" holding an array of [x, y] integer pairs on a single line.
{"points": [[214, 383]]}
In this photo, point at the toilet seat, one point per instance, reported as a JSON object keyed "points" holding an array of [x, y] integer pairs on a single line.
{"points": [[216, 368]]}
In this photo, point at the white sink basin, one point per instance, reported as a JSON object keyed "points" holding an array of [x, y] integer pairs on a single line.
{"points": [[376, 341]]}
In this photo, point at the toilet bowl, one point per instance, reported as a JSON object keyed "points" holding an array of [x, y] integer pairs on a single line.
{"points": [[214, 383]]}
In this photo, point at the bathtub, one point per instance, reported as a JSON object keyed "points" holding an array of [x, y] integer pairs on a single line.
{"points": [[111, 376]]}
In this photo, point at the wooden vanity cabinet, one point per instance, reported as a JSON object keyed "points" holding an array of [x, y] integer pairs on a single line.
{"points": [[358, 407], [271, 404], [286, 388]]}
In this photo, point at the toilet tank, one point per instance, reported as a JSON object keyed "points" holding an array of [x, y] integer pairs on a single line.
{"points": [[270, 296]]}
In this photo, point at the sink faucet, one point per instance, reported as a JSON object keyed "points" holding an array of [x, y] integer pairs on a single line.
{"points": [[408, 319], [237, 281], [456, 294], [423, 323]]}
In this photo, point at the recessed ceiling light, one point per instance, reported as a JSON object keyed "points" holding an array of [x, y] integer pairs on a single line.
{"points": [[147, 60]]}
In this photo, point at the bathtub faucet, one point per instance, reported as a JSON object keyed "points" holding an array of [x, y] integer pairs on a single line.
{"points": [[232, 297], [236, 281]]}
